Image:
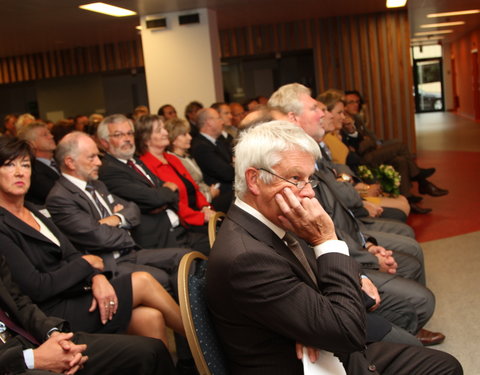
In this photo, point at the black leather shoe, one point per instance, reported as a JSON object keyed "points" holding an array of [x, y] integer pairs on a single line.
{"points": [[414, 199], [416, 209], [424, 174], [426, 187]]}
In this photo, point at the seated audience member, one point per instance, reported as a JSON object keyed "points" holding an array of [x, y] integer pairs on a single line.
{"points": [[238, 113], [180, 142], [8, 127], [46, 345], [60, 129], [274, 299], [262, 100], [129, 178], [23, 120], [212, 155], [139, 111], [251, 105], [229, 132], [44, 168], [382, 266], [58, 278], [151, 143], [334, 150], [191, 114], [98, 222], [80, 123], [373, 153], [167, 111]]}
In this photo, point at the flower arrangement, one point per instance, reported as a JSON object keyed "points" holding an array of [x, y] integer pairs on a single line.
{"points": [[385, 175]]}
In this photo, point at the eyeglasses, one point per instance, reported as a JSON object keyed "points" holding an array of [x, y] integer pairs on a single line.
{"points": [[118, 135], [353, 101], [300, 185]]}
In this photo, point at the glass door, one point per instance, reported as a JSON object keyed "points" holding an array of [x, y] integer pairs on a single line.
{"points": [[428, 85]]}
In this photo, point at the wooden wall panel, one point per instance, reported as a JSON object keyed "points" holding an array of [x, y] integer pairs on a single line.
{"points": [[74, 61], [369, 53]]}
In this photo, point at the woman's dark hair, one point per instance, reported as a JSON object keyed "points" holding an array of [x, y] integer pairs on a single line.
{"points": [[12, 148], [143, 131]]}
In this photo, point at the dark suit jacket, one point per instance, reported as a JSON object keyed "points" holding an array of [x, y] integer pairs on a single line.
{"points": [[42, 269], [24, 313], [76, 216], [214, 161], [154, 230], [263, 301], [42, 180]]}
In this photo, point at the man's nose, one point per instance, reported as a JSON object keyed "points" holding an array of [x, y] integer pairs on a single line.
{"points": [[307, 191]]}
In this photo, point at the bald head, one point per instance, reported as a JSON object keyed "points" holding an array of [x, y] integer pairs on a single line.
{"points": [[77, 156]]}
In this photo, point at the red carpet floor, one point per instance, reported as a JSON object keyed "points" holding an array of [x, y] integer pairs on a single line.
{"points": [[458, 212]]}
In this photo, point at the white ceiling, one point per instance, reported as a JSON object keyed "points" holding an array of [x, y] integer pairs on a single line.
{"points": [[29, 26]]}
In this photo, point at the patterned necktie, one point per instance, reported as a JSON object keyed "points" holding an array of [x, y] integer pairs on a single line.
{"points": [[132, 165], [297, 250], [103, 210], [16, 328]]}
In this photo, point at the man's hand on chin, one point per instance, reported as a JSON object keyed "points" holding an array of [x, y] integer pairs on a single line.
{"points": [[305, 217]]}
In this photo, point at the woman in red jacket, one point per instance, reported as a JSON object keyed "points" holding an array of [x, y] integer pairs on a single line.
{"points": [[152, 141]]}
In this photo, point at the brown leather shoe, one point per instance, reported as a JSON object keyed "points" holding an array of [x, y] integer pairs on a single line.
{"points": [[429, 338]]}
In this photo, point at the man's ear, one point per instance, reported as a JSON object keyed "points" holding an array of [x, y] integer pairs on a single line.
{"points": [[69, 163], [104, 144], [251, 178], [292, 117]]}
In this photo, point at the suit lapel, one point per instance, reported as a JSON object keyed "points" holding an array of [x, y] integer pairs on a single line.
{"points": [[80, 197], [262, 233]]}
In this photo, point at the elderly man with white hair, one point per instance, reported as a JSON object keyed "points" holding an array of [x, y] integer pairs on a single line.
{"points": [[280, 283]]}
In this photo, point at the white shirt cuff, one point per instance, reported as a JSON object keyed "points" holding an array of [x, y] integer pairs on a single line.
{"points": [[29, 358], [123, 222], [174, 219], [331, 246]]}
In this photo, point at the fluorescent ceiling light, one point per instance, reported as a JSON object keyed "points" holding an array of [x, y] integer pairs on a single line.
{"points": [[442, 24], [108, 9], [427, 38], [458, 13], [434, 32], [396, 3]]}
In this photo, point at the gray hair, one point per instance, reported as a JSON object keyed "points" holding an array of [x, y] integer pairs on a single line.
{"points": [[102, 129], [287, 98], [26, 132], [68, 146], [261, 146]]}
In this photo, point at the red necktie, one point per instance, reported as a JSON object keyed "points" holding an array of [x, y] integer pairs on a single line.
{"points": [[16, 328], [132, 165]]}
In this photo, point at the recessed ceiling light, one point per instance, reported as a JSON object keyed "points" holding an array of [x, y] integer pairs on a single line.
{"points": [[396, 3], [457, 13], [108, 9], [442, 24], [434, 32]]}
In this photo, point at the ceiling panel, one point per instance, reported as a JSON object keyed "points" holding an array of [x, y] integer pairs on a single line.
{"points": [[30, 26]]}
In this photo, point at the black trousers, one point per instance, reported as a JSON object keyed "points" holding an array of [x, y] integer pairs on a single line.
{"points": [[121, 355]]}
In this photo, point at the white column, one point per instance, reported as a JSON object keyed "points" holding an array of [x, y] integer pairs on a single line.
{"points": [[182, 62]]}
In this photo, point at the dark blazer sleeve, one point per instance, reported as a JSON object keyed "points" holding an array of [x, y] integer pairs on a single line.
{"points": [[269, 300], [41, 268], [76, 216], [123, 182]]}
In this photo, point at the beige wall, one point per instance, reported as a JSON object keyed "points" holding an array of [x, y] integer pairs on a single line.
{"points": [[182, 63]]}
